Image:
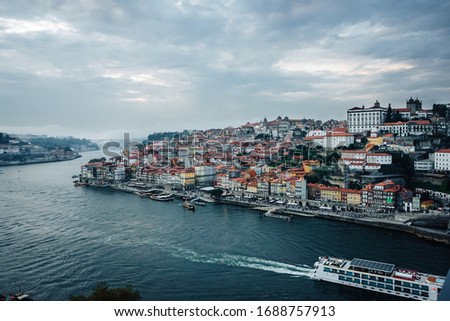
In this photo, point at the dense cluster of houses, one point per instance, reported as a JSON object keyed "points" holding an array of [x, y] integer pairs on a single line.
{"points": [[273, 158]]}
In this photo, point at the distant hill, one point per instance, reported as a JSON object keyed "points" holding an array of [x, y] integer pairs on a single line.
{"points": [[76, 144]]}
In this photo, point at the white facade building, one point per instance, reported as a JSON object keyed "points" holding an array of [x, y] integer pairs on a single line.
{"points": [[362, 119], [426, 165], [380, 158], [442, 160]]}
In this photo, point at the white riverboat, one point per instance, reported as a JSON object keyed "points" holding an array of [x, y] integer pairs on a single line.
{"points": [[379, 277]]}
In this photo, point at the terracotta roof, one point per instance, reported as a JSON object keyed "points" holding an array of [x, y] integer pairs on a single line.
{"points": [[393, 124], [419, 122], [313, 137], [446, 151], [338, 134], [354, 151], [379, 154], [402, 110]]}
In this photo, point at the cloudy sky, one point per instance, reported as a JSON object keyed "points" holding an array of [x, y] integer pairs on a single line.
{"points": [[97, 69]]}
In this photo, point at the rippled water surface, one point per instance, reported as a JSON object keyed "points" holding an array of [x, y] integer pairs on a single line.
{"points": [[57, 240]]}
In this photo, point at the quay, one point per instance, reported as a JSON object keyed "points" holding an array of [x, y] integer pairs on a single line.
{"points": [[355, 218], [366, 218]]}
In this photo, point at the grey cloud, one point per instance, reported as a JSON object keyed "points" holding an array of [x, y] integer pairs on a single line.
{"points": [[196, 64]]}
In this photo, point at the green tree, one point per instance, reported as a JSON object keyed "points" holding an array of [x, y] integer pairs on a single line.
{"points": [[389, 114], [102, 292], [97, 160]]}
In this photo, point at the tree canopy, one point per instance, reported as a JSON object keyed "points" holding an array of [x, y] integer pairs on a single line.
{"points": [[102, 292]]}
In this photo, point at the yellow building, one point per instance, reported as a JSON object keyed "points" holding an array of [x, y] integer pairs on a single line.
{"points": [[187, 178], [309, 165], [330, 193]]}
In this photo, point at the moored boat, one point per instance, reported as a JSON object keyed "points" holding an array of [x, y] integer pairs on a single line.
{"points": [[20, 296], [162, 197], [78, 183], [379, 277], [189, 206]]}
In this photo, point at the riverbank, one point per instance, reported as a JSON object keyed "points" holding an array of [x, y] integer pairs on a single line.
{"points": [[349, 217], [367, 218], [37, 161]]}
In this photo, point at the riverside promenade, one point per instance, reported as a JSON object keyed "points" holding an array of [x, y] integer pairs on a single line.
{"points": [[398, 222], [390, 221]]}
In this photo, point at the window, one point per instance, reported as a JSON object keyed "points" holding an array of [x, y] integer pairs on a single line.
{"points": [[380, 285], [425, 294], [326, 269], [398, 282], [398, 289], [389, 287], [364, 282], [389, 281], [380, 279], [372, 283], [341, 278], [364, 276], [407, 284], [407, 290], [424, 287]]}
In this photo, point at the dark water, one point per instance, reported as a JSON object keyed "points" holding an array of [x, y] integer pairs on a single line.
{"points": [[57, 240]]}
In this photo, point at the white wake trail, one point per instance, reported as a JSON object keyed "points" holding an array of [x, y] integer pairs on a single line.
{"points": [[246, 262]]}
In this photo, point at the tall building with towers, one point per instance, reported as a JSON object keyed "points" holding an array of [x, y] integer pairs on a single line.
{"points": [[361, 119]]}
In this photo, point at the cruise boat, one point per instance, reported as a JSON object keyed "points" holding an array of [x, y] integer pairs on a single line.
{"points": [[379, 277]]}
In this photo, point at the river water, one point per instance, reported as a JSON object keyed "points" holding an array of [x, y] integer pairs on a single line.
{"points": [[57, 240]]}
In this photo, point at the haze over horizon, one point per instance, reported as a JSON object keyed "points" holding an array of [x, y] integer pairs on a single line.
{"points": [[97, 69]]}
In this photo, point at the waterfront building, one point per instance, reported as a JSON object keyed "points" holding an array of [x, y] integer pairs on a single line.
{"points": [[252, 187], [205, 175], [301, 190], [361, 119], [351, 196], [188, 178], [330, 194], [385, 195], [223, 181], [263, 186], [320, 192]]}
